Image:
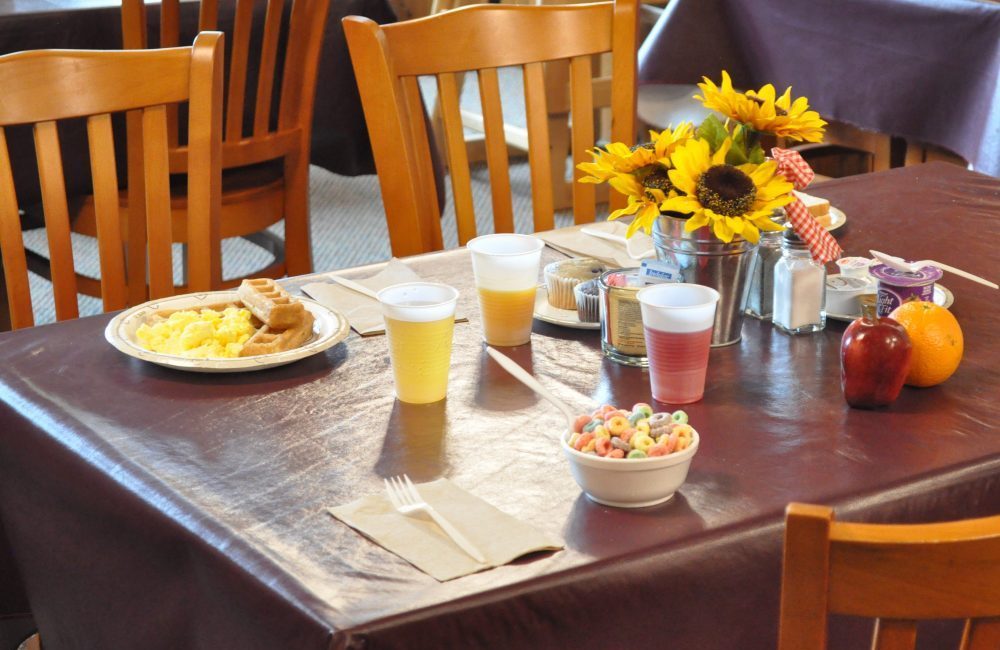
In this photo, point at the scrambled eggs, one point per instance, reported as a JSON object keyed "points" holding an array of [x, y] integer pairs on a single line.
{"points": [[199, 335]]}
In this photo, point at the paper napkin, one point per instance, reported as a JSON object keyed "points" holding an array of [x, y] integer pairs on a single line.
{"points": [[576, 243], [362, 312], [418, 540]]}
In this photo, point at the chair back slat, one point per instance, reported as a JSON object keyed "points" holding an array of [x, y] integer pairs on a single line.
{"points": [[15, 264], [170, 23], [583, 138], [898, 574], [208, 15], [109, 237], [419, 141], [981, 634], [158, 215], [265, 78], [539, 154], [53, 187], [895, 634], [624, 76], [458, 159], [484, 38], [496, 150], [238, 69]]}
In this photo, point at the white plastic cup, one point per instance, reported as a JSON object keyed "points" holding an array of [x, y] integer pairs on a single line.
{"points": [[505, 268], [677, 323], [419, 323]]}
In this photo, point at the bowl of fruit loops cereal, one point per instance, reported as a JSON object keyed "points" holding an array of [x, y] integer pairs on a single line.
{"points": [[630, 458]]}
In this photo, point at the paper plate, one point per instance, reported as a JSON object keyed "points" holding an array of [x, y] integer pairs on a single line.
{"points": [[329, 328]]}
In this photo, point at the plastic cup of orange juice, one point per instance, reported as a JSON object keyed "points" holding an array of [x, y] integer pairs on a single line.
{"points": [[505, 268], [419, 323]]}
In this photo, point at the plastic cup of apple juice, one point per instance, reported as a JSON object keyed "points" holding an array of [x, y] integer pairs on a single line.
{"points": [[505, 270], [419, 323], [677, 321]]}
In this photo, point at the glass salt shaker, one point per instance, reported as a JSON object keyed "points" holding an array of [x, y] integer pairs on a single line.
{"points": [[799, 288], [760, 294]]}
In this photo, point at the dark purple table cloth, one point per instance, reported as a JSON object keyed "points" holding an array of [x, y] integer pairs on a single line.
{"points": [[923, 69], [150, 508]]}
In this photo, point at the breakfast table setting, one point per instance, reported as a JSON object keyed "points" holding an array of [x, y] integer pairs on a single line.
{"points": [[147, 504]]}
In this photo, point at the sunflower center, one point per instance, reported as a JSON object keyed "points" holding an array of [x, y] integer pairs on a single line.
{"points": [[643, 145], [726, 190], [658, 179]]}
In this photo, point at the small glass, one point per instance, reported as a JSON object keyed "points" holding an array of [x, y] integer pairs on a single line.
{"points": [[622, 338]]}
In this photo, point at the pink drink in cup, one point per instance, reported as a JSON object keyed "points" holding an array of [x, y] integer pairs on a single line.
{"points": [[677, 321]]}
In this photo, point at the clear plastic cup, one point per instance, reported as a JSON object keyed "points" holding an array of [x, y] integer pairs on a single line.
{"points": [[677, 323], [419, 322], [505, 268]]}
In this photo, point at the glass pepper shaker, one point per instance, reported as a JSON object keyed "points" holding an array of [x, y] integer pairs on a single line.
{"points": [[799, 288], [760, 292]]}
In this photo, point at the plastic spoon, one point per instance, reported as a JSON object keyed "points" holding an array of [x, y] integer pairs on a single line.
{"points": [[522, 375], [353, 286], [912, 267]]}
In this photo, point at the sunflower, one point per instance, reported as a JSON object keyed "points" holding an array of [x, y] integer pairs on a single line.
{"points": [[643, 202], [763, 111], [618, 158], [732, 200]]}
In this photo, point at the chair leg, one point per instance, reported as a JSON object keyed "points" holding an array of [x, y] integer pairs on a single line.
{"points": [[298, 251], [33, 642]]}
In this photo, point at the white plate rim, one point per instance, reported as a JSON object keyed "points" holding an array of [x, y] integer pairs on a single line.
{"points": [[332, 327], [555, 316], [947, 300], [837, 219]]}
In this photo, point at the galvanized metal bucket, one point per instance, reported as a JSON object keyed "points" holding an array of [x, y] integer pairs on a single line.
{"points": [[702, 258]]}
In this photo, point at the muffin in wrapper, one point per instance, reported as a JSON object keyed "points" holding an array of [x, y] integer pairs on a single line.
{"points": [[563, 276], [588, 301]]}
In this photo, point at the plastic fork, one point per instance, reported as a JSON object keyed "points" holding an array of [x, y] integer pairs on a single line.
{"points": [[912, 267], [407, 501]]}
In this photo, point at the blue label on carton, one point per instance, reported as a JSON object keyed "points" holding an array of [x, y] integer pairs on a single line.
{"points": [[659, 271]]}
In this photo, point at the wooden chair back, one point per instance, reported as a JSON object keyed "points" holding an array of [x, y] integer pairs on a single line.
{"points": [[252, 132], [44, 86], [897, 574], [388, 60]]}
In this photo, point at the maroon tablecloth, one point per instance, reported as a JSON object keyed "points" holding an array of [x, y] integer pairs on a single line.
{"points": [[923, 69], [151, 508]]}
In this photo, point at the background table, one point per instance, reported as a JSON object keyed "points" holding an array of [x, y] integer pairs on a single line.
{"points": [[158, 509], [922, 69]]}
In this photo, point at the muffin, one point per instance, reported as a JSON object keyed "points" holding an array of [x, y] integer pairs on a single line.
{"points": [[587, 301], [562, 276]]}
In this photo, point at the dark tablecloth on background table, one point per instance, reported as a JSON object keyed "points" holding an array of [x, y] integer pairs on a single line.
{"points": [[339, 137], [923, 69], [147, 507]]}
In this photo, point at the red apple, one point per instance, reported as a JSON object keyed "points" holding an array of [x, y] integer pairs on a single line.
{"points": [[874, 359]]}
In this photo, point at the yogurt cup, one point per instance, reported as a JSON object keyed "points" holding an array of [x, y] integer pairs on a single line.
{"points": [[843, 293], [896, 287]]}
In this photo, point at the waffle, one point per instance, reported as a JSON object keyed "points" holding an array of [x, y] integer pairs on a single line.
{"points": [[271, 304], [269, 340]]}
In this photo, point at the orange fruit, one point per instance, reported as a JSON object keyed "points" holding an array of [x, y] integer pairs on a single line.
{"points": [[937, 341]]}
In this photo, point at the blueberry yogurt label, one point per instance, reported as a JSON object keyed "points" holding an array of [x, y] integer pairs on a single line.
{"points": [[896, 287]]}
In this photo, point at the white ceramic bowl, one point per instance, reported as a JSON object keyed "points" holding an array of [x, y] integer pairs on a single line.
{"points": [[625, 483]]}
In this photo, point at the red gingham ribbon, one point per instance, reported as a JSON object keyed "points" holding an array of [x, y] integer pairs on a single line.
{"points": [[822, 245]]}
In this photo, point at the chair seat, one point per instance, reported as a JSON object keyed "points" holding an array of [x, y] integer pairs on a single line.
{"points": [[33, 642], [252, 200]]}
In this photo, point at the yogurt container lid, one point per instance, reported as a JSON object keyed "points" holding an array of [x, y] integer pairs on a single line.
{"points": [[895, 277], [848, 284]]}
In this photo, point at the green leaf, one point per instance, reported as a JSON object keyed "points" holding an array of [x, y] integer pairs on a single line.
{"points": [[737, 153], [757, 156], [713, 131]]}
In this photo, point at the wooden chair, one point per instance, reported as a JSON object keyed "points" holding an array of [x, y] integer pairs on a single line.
{"points": [[898, 574], [265, 160], [387, 60], [44, 86]]}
